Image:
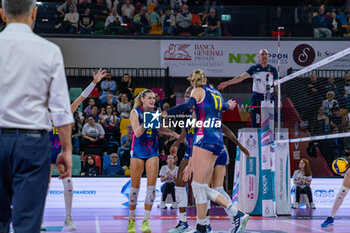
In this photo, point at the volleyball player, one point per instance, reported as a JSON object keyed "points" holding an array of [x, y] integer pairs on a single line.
{"points": [[340, 197], [56, 149], [144, 154], [209, 105]]}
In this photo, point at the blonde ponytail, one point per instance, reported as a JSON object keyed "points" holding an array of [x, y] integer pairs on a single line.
{"points": [[198, 78]]}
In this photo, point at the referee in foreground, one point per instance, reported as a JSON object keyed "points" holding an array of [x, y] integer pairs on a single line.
{"points": [[32, 80]]}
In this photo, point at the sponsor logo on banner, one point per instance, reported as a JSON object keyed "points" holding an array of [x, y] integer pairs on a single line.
{"points": [[251, 190], [266, 179], [241, 58], [177, 52], [251, 142], [304, 55]]}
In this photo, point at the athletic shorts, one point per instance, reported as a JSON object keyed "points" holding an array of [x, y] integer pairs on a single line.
{"points": [[209, 147], [223, 158], [54, 155], [143, 157]]}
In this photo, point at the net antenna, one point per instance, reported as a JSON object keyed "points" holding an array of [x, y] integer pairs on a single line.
{"points": [[301, 74], [279, 87]]}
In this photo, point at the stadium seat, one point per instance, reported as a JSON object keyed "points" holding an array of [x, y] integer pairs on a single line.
{"points": [[74, 93], [160, 92], [123, 132], [76, 170], [124, 123], [106, 160], [343, 112], [156, 29], [99, 28], [95, 93], [138, 90]]}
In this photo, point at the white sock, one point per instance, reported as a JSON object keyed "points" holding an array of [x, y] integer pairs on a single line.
{"points": [[68, 195], [146, 215], [221, 190], [231, 210], [207, 221], [183, 217], [201, 222], [132, 214]]}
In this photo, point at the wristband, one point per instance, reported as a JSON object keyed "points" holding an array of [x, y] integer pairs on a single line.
{"points": [[88, 90]]}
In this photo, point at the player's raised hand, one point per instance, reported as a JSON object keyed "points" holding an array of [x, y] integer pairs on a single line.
{"points": [[164, 114], [232, 104], [222, 85], [99, 75]]}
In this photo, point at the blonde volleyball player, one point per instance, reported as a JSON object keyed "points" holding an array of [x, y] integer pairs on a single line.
{"points": [[144, 154], [340, 197], [56, 149]]}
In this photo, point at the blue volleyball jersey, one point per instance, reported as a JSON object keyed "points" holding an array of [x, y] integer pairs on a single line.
{"points": [[55, 144], [262, 77], [145, 146], [209, 111]]}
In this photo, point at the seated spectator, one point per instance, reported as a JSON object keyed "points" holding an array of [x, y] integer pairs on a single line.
{"points": [[124, 107], [279, 19], [90, 168], [158, 103], [83, 5], [113, 23], [113, 169], [110, 100], [142, 21], [128, 11], [126, 86], [167, 22], [322, 122], [346, 90], [100, 11], [329, 102], [63, 10], [302, 180], [320, 23], [212, 24], [124, 149], [86, 22], [94, 113], [196, 24], [335, 120], [168, 174], [183, 20], [93, 134], [71, 20], [110, 122], [331, 86], [108, 86], [87, 110], [112, 3], [335, 25]]}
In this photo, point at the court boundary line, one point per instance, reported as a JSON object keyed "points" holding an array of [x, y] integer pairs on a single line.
{"points": [[300, 225], [97, 224]]}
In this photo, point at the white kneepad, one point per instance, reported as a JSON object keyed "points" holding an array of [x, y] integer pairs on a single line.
{"points": [[212, 194], [181, 196], [199, 192], [342, 192], [150, 195], [133, 195], [68, 184]]}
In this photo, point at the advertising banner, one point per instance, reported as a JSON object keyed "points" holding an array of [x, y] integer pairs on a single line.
{"points": [[232, 58]]}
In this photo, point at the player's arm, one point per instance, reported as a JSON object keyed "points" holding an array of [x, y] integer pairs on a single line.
{"points": [[233, 81], [228, 133], [97, 78], [173, 148], [196, 96], [135, 124], [168, 132]]}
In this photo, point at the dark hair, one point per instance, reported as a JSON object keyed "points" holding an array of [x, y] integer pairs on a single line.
{"points": [[90, 156], [18, 8]]}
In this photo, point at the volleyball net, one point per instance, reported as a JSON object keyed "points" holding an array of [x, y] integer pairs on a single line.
{"points": [[314, 102]]}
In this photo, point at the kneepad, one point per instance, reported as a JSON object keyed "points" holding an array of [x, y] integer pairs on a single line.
{"points": [[150, 195], [68, 184], [342, 192], [212, 194], [199, 192], [181, 196], [133, 195]]}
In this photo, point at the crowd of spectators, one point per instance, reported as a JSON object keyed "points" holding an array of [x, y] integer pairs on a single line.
{"points": [[329, 105], [97, 135]]}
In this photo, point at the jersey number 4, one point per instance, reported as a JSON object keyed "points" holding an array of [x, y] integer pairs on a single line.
{"points": [[218, 102]]}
